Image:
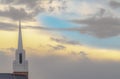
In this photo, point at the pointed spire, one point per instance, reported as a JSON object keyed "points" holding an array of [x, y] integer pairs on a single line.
{"points": [[20, 44]]}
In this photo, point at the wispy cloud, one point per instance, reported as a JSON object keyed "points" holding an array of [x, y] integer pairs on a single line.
{"points": [[114, 4], [102, 27], [7, 26], [65, 41]]}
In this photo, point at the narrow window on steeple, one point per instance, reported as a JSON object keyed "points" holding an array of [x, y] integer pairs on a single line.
{"points": [[20, 58]]}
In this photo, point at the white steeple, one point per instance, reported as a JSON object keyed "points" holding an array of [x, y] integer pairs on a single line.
{"points": [[20, 64], [20, 44]]}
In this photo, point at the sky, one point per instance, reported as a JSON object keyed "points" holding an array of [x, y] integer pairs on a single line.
{"points": [[63, 39]]}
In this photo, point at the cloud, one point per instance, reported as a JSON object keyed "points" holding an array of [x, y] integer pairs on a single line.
{"points": [[64, 41], [6, 1], [7, 62], [114, 4], [103, 24], [28, 10], [11, 49], [16, 14], [28, 3], [37, 5], [60, 67], [7, 26], [57, 47], [83, 53], [102, 27], [63, 67]]}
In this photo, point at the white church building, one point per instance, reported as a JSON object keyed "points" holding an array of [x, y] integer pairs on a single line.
{"points": [[20, 64]]}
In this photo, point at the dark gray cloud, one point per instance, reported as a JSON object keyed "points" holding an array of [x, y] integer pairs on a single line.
{"points": [[6, 1], [16, 14], [28, 3], [114, 4], [101, 12], [82, 54], [34, 5], [57, 47], [7, 26], [11, 27], [49, 29], [61, 7], [41, 28], [65, 41], [102, 27]]}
